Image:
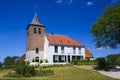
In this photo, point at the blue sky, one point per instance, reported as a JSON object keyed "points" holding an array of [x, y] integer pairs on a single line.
{"points": [[73, 18]]}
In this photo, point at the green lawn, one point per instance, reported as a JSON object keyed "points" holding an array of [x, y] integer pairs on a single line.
{"points": [[65, 73]]}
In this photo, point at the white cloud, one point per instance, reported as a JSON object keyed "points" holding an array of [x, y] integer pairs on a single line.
{"points": [[89, 3], [100, 48], [59, 1]]}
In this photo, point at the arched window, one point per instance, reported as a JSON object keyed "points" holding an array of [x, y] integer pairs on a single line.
{"points": [[34, 30], [36, 59], [39, 30]]}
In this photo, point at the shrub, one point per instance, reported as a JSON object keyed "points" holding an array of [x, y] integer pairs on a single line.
{"points": [[84, 62], [41, 61], [1, 68], [118, 61], [46, 61], [75, 61], [45, 72], [47, 65], [33, 60], [23, 69], [9, 67], [102, 64], [35, 64]]}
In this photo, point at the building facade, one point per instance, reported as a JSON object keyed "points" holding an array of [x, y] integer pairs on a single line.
{"points": [[51, 48]]}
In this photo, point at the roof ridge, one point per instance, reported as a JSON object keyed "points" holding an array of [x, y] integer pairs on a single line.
{"points": [[56, 34]]}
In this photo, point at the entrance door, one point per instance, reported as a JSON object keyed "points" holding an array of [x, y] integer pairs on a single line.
{"points": [[69, 58]]}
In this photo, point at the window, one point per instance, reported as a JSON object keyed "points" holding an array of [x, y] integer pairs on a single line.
{"points": [[37, 50], [74, 51], [56, 49], [79, 50], [63, 58], [62, 49], [36, 59], [39, 30], [55, 58], [34, 30]]}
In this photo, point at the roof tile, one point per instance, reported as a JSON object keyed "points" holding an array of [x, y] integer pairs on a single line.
{"points": [[62, 40]]}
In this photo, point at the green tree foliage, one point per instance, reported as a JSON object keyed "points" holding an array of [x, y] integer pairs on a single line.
{"points": [[113, 59], [0, 64], [10, 60], [106, 30]]}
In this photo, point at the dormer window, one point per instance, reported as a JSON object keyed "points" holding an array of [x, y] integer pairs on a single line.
{"points": [[39, 30], [35, 30]]}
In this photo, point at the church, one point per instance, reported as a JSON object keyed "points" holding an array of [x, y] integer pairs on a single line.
{"points": [[51, 48]]}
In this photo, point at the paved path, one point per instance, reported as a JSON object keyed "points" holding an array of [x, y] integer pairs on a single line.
{"points": [[111, 74]]}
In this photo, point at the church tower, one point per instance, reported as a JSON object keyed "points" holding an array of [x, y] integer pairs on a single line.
{"points": [[35, 36]]}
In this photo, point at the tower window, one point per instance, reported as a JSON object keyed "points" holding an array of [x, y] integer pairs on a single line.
{"points": [[37, 50], [34, 30], [39, 30]]}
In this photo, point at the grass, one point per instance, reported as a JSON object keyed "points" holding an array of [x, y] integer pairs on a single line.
{"points": [[4, 72], [65, 73]]}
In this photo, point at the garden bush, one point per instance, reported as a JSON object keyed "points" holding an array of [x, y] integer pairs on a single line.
{"points": [[75, 62], [84, 62], [24, 69], [1, 68], [9, 67], [45, 72], [102, 64], [41, 61]]}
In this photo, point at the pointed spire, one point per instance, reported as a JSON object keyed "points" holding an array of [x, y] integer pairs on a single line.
{"points": [[35, 20]]}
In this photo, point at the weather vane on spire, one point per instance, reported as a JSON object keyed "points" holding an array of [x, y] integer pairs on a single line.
{"points": [[36, 7]]}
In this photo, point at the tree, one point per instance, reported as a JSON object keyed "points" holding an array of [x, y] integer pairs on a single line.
{"points": [[106, 30], [10, 60], [113, 59], [0, 64], [7, 61]]}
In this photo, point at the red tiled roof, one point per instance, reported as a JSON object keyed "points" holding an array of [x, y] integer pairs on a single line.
{"points": [[88, 54], [62, 40], [23, 56]]}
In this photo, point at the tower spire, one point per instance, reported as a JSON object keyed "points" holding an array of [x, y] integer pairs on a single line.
{"points": [[35, 19]]}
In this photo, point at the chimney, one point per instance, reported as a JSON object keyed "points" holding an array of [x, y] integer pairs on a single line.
{"points": [[52, 33]]}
